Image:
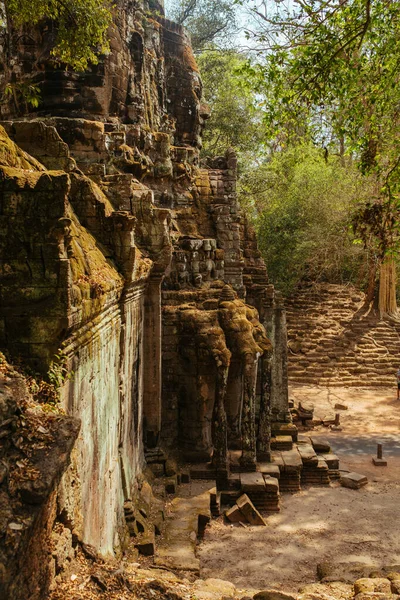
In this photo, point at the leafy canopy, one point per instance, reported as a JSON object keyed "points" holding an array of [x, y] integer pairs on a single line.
{"points": [[209, 22], [81, 27], [235, 118], [302, 207]]}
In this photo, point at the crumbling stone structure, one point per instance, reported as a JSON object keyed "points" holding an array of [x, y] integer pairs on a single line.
{"points": [[118, 248]]}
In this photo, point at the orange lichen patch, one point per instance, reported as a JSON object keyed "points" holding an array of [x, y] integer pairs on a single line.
{"points": [[22, 178], [259, 332], [208, 335], [12, 156], [244, 336], [100, 197], [189, 59], [93, 276], [143, 266]]}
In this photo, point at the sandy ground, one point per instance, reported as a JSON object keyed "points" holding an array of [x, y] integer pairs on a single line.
{"points": [[323, 523]]}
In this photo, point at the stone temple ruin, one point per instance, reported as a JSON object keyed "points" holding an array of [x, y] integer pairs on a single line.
{"points": [[122, 251]]}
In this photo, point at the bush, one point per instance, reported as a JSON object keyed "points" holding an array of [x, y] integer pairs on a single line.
{"points": [[302, 203]]}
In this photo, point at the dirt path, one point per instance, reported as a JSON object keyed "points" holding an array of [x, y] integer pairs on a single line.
{"points": [[320, 523]]}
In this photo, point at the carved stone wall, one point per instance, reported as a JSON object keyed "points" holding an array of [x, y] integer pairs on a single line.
{"points": [[120, 250]]}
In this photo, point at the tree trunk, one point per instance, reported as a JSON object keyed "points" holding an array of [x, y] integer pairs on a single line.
{"points": [[387, 287], [372, 267]]}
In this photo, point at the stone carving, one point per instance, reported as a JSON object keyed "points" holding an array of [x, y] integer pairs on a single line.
{"points": [[120, 248]]}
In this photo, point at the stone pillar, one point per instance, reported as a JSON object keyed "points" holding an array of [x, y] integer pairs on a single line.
{"points": [[279, 374], [152, 361], [220, 430], [233, 403], [248, 458], [274, 318], [264, 426]]}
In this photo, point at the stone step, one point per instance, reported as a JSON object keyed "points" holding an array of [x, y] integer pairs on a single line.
{"points": [[186, 521], [336, 346]]}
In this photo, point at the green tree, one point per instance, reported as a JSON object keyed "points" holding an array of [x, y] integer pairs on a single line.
{"points": [[209, 22], [80, 26], [336, 62], [235, 118], [302, 206]]}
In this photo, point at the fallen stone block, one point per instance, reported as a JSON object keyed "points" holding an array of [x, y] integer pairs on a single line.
{"points": [[346, 572], [367, 585], [185, 477], [146, 543], [329, 419], [234, 514], [373, 596], [336, 428], [273, 595], [321, 446], [339, 406], [248, 509], [326, 591], [395, 586], [379, 462], [213, 589], [171, 485], [306, 407], [353, 481]]}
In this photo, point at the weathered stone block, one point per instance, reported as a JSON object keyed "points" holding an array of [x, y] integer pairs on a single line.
{"points": [[321, 446], [252, 482], [379, 462], [146, 544], [353, 481], [331, 460], [292, 460], [269, 469], [307, 454], [273, 595], [367, 585], [248, 509], [234, 514]]}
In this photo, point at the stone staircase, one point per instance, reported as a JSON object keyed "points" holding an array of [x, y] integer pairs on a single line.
{"points": [[333, 339]]}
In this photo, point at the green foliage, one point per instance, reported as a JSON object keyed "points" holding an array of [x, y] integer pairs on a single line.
{"points": [[302, 207], [208, 21], [335, 59], [58, 371], [80, 25], [235, 118], [23, 92], [329, 73]]}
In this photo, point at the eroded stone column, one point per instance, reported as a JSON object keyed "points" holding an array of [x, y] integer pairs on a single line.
{"points": [[152, 361], [233, 403], [279, 374], [248, 458], [264, 426], [220, 430]]}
